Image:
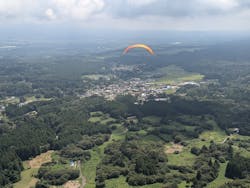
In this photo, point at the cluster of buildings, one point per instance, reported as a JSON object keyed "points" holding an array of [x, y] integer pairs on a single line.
{"points": [[2, 110], [141, 89]]}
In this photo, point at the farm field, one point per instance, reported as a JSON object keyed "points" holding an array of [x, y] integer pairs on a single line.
{"points": [[174, 75], [31, 168]]}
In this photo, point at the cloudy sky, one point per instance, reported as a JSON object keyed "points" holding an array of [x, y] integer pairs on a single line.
{"points": [[130, 14]]}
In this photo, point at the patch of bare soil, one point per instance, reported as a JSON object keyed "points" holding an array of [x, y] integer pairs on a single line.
{"points": [[33, 182], [72, 184], [173, 148], [41, 159]]}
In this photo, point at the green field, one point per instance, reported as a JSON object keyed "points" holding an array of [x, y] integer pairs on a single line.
{"points": [[173, 75], [10, 100], [97, 76], [99, 117], [221, 179], [121, 183], [27, 178], [89, 167], [152, 119], [184, 158], [184, 184], [30, 99]]}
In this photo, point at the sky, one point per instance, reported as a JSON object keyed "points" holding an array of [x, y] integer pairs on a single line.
{"points": [[183, 15], [67, 17]]}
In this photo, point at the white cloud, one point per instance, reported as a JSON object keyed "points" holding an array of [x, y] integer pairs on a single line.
{"points": [[77, 9], [155, 14], [220, 4], [50, 14], [51, 9], [140, 2], [17, 8]]}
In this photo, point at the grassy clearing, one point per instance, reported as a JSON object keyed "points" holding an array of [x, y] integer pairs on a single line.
{"points": [[97, 76], [89, 167], [152, 138], [96, 114], [108, 121], [243, 152], [173, 74], [173, 81], [118, 182], [30, 99], [170, 91], [119, 133], [183, 184], [27, 178], [31, 169], [10, 100], [221, 179], [152, 119], [216, 136], [99, 117], [184, 158], [241, 137], [121, 183], [95, 119]]}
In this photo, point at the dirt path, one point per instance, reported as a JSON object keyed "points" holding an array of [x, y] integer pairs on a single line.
{"points": [[174, 148], [227, 138], [81, 176], [41, 159], [72, 184]]}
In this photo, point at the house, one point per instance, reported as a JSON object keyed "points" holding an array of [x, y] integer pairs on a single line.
{"points": [[73, 164], [236, 130], [2, 108]]}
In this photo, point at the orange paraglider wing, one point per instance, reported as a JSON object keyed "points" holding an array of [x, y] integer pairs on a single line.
{"points": [[139, 46]]}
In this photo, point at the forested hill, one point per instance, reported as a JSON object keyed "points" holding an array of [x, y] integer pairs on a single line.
{"points": [[67, 119]]}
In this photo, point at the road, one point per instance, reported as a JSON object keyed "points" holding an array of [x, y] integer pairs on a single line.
{"points": [[227, 138], [83, 183]]}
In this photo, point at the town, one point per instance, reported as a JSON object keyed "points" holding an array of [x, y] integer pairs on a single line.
{"points": [[143, 90]]}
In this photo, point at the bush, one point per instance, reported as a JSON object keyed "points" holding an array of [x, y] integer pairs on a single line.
{"points": [[40, 184], [195, 151], [58, 176]]}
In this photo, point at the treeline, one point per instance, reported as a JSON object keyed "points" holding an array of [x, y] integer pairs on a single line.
{"points": [[80, 150], [175, 129], [226, 114], [208, 162], [57, 123], [142, 163], [238, 167], [10, 167], [44, 78], [55, 176]]}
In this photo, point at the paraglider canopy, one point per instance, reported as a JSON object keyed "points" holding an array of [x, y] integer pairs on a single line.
{"points": [[139, 46]]}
